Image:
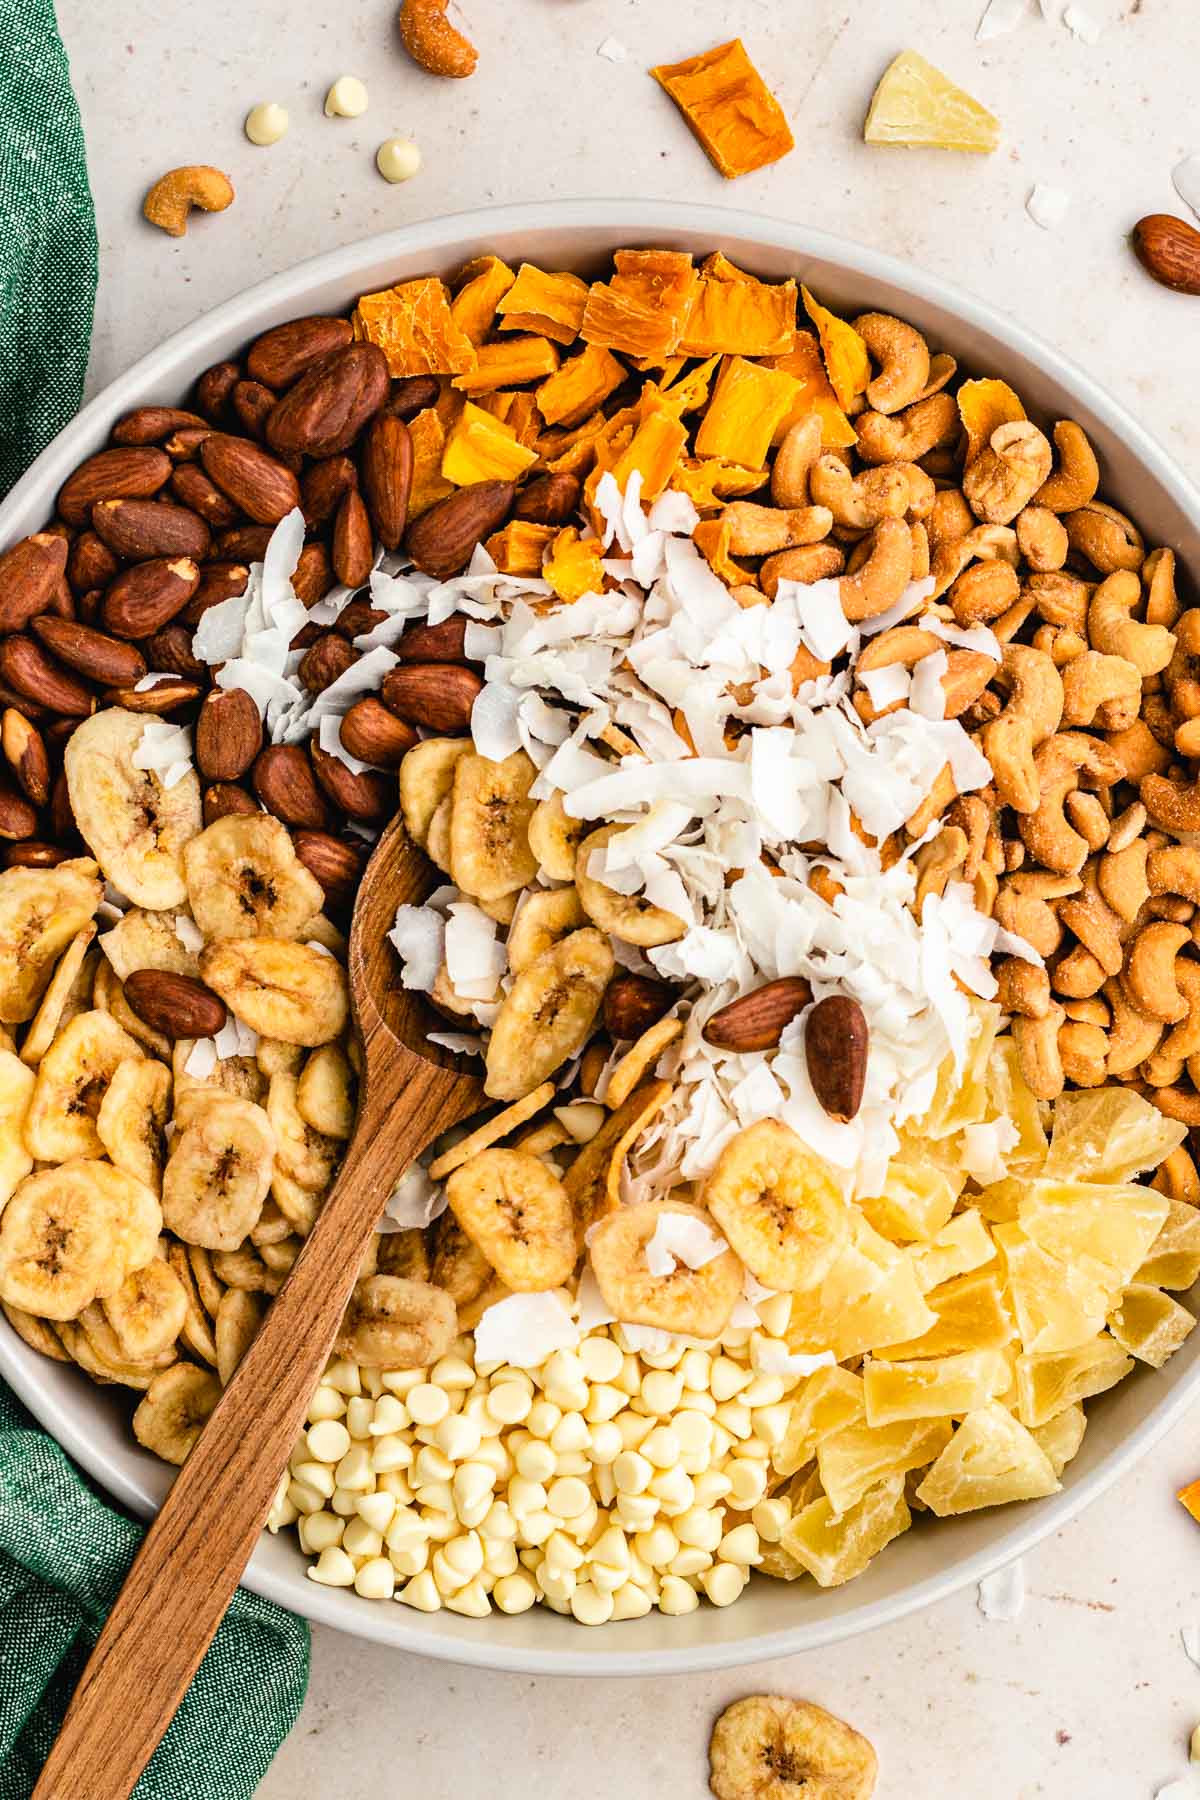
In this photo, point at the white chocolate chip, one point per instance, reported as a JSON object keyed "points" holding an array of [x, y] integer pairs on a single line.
{"points": [[398, 159], [346, 99], [266, 123]]}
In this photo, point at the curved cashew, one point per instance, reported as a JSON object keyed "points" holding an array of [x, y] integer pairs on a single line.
{"points": [[1037, 1052], [1006, 475], [1074, 482], [882, 579], [796, 455], [1078, 975], [1043, 539], [903, 356], [1166, 906], [936, 861], [1132, 1037], [975, 816], [986, 542], [1023, 906], [1062, 763], [1127, 826], [1023, 988], [1122, 880], [174, 194], [1184, 1040], [1177, 1103], [1163, 605], [1059, 599], [1095, 925], [983, 591], [1161, 1070], [920, 552], [1177, 1177], [432, 41], [1106, 537], [908, 436], [859, 501], [968, 673], [950, 518], [1101, 690], [1139, 752], [1083, 1050], [1089, 818], [808, 563], [1112, 628], [1059, 643], [900, 644], [1187, 738], [763, 530], [1174, 805], [922, 492], [1032, 715], [1090, 1011], [1175, 869], [805, 667], [1149, 973], [1006, 627], [934, 804]]}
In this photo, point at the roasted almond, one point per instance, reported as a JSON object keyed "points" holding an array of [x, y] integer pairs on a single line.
{"points": [[438, 695], [632, 1003], [33, 855], [835, 1047], [357, 619], [263, 489], [184, 446], [550, 500], [387, 465], [90, 652], [313, 576], [218, 581], [111, 475], [223, 801], [328, 658], [376, 736], [62, 815], [306, 637], [756, 1020], [412, 394], [228, 734], [337, 865], [438, 643], [17, 818], [29, 575], [192, 487], [441, 541], [285, 783], [151, 424], [322, 487], [175, 1005], [169, 695], [281, 355], [148, 595], [1169, 249], [137, 530], [353, 545], [245, 543], [366, 795], [252, 404], [327, 408], [171, 650], [214, 389], [26, 668], [25, 753], [90, 563]]}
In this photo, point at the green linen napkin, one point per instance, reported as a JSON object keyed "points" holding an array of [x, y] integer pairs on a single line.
{"points": [[63, 1551]]}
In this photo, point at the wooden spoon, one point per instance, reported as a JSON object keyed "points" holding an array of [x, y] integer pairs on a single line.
{"points": [[192, 1559]]}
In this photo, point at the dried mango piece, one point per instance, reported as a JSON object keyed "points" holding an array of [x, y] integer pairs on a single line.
{"points": [[654, 450], [642, 309], [689, 392], [481, 287], [483, 448], [847, 360], [428, 483], [743, 317], [579, 386], [711, 538], [571, 452], [729, 108], [919, 107], [573, 565], [717, 267], [509, 364], [415, 329], [519, 412], [551, 305], [1190, 1497], [805, 362], [982, 406], [520, 547], [710, 484], [749, 402]]}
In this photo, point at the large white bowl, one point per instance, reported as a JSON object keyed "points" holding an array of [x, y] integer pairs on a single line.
{"points": [[936, 1557]]}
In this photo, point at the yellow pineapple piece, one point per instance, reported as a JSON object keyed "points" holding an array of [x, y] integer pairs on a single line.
{"points": [[869, 1297], [1114, 1225], [853, 1460], [1061, 1436], [747, 404], [829, 1400], [933, 1387], [1011, 1097], [969, 1314], [1000, 1203], [1174, 1258], [1108, 1134], [480, 447], [775, 1562], [918, 107], [1051, 1379], [1058, 1304], [834, 1549], [918, 1151], [961, 1095], [1149, 1324], [990, 1460], [915, 1203], [963, 1244]]}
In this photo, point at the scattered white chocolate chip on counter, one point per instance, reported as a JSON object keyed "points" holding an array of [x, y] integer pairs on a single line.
{"points": [[266, 123], [398, 159], [346, 99]]}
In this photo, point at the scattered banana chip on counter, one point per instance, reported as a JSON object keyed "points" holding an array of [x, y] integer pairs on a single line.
{"points": [[766, 1745]]}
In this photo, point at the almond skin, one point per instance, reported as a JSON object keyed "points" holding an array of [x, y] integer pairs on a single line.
{"points": [[835, 1048], [245, 543], [148, 596], [338, 866], [322, 487], [151, 424], [228, 734], [18, 819], [137, 530], [90, 564], [755, 1021], [223, 801], [25, 753], [366, 795], [90, 652], [281, 355], [443, 642], [357, 619], [31, 855], [353, 547], [193, 488], [374, 735], [258, 485], [218, 581], [1169, 249], [29, 576], [164, 697], [313, 577], [252, 405], [284, 782], [387, 466], [213, 390], [110, 475], [329, 405], [438, 695], [632, 1003], [440, 542], [171, 650], [25, 667], [550, 500], [328, 658], [412, 394], [176, 1005]]}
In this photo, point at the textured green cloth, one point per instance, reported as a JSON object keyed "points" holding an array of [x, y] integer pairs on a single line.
{"points": [[63, 1552]]}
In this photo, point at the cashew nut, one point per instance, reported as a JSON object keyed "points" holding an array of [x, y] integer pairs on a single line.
{"points": [[1023, 906], [1174, 805], [1007, 473], [1006, 627], [1163, 605], [1127, 826], [1074, 482], [883, 577], [175, 193], [1062, 764], [859, 501], [1162, 1070], [1101, 690], [972, 814], [763, 530], [950, 518], [1036, 1042], [1175, 869], [1177, 1103], [1112, 628], [808, 563], [1091, 1011], [1132, 1036], [1083, 1050], [1089, 818], [1177, 1177], [1139, 752], [1184, 1040], [1108, 539], [985, 542], [936, 861], [908, 436], [1149, 973], [1023, 988], [1032, 715], [1043, 538], [1059, 599], [432, 41], [903, 356], [796, 455], [1078, 974], [934, 804], [983, 591], [1095, 925], [1122, 880]]}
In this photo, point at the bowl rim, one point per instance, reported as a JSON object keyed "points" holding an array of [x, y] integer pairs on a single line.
{"points": [[1032, 1522]]}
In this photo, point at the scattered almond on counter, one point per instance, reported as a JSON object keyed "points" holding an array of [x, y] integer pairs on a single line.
{"points": [[1169, 249]]}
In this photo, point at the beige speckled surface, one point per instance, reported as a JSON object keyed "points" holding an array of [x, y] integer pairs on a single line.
{"points": [[1089, 1695]]}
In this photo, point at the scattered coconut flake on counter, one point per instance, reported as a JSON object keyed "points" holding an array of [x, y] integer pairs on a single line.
{"points": [[612, 50], [166, 750], [1176, 1790], [678, 1239], [1190, 1639], [1001, 17], [1002, 1594], [1186, 179], [1048, 206], [525, 1329], [1083, 25]]}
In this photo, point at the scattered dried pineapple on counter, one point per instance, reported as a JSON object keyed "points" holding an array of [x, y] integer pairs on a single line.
{"points": [[915, 105]]}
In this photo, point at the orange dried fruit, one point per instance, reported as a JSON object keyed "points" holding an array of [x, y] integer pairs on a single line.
{"points": [[915, 105], [415, 329], [641, 311], [982, 406], [1190, 1497], [805, 362], [573, 565], [481, 286], [483, 448], [654, 450], [508, 364], [847, 361], [753, 318], [519, 548], [728, 107], [428, 483], [749, 402], [550, 305], [579, 386]]}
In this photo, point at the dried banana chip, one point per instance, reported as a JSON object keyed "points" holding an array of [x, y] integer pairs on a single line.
{"points": [[67, 978], [489, 825], [196, 1332], [244, 879], [539, 1140], [628, 916], [41, 910], [70, 1085], [218, 1174], [208, 1288], [150, 940], [108, 996], [696, 1302], [325, 1092], [639, 1058], [278, 1258], [426, 778], [274, 1057], [71, 1234], [779, 1205], [238, 1318], [547, 1014], [175, 1409], [323, 931], [501, 910], [497, 1127], [395, 1324], [135, 827], [307, 1156], [516, 1210], [299, 1205], [593, 1181], [239, 1076], [767, 1747], [16, 1092], [148, 1310], [39, 1334], [403, 1253], [456, 1264], [491, 1295], [437, 838], [93, 1345], [272, 1226], [132, 1116], [243, 1268], [280, 989], [555, 837], [545, 916]]}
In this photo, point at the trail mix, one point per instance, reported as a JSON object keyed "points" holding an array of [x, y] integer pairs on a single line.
{"points": [[804, 753]]}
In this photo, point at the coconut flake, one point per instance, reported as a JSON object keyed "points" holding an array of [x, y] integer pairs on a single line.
{"points": [[984, 1148], [772, 1357], [885, 686], [525, 1329], [418, 937], [189, 933], [474, 960], [1002, 1594], [1186, 178], [414, 1202], [679, 1239], [612, 50], [1048, 206], [460, 1043], [1083, 25], [201, 1059], [591, 1308], [165, 750], [1001, 17]]}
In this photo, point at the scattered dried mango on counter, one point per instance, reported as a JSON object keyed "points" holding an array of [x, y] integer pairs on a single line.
{"points": [[729, 108]]}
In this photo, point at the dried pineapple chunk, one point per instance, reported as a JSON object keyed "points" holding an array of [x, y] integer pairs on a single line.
{"points": [[804, 361], [853, 1460], [481, 287], [1114, 1226], [969, 1313], [961, 1095], [1149, 1324], [933, 1387], [579, 385], [743, 317], [869, 1297], [834, 1549], [1010, 1097], [915, 105], [1061, 1436], [728, 108], [830, 1399], [1058, 1304], [1052, 1379], [915, 1203], [960, 1246], [1174, 1258], [482, 448], [415, 329], [990, 1460], [550, 305], [573, 565], [747, 405], [1108, 1134]]}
